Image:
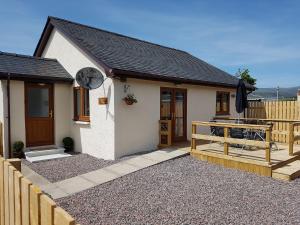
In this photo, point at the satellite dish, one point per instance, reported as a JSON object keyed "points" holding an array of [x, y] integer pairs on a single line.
{"points": [[89, 78]]}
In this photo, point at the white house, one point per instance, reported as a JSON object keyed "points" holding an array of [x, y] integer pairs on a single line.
{"points": [[41, 103]]}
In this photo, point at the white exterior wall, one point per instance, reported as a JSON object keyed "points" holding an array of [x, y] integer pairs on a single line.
{"points": [[62, 111], [17, 111], [137, 125], [96, 138]]}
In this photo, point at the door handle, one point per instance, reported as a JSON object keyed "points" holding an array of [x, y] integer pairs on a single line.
{"points": [[51, 113]]}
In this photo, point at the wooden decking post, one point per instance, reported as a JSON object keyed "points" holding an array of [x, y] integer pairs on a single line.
{"points": [[291, 139], [268, 148], [194, 129], [226, 145]]}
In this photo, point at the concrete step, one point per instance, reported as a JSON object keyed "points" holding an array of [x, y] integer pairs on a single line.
{"points": [[33, 159], [288, 172], [34, 153]]}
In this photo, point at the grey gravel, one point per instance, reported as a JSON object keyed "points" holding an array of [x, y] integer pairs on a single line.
{"points": [[187, 191], [59, 169]]}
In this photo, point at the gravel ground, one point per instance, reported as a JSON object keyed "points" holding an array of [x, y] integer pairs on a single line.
{"points": [[64, 168], [187, 191]]}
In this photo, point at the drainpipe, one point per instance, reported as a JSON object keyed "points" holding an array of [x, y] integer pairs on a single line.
{"points": [[8, 115]]}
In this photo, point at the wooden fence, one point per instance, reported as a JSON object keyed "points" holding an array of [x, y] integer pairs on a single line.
{"points": [[22, 203], [281, 113], [1, 138]]}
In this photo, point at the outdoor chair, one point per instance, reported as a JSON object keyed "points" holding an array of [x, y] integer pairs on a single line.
{"points": [[216, 131], [237, 133]]}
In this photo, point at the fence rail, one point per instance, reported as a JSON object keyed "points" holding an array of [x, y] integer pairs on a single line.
{"points": [[22, 203], [227, 140], [282, 113]]}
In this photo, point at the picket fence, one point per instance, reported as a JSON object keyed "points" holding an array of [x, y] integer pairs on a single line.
{"points": [[22, 203], [281, 113]]}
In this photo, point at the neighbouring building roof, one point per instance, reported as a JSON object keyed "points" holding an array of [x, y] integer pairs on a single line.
{"points": [[125, 56], [29, 67]]}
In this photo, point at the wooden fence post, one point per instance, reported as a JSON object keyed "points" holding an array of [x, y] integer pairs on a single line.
{"points": [[47, 210], [194, 130], [268, 148], [226, 145], [15, 163], [11, 195], [1, 138], [34, 204], [291, 139], [62, 218], [25, 198], [2, 214], [17, 180], [6, 194]]}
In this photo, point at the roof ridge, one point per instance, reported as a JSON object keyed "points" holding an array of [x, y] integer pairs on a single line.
{"points": [[117, 34], [26, 56]]}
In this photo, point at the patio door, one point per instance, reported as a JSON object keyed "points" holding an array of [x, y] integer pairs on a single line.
{"points": [[173, 107], [39, 114]]}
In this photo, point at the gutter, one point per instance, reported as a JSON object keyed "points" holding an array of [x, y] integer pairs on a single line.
{"points": [[144, 76], [8, 115]]}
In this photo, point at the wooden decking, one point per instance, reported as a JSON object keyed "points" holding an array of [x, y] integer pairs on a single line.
{"points": [[281, 166]]}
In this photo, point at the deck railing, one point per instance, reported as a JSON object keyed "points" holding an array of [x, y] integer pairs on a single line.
{"points": [[280, 131], [21, 202], [227, 140], [294, 135]]}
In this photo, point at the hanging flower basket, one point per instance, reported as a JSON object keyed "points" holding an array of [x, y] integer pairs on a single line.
{"points": [[130, 99]]}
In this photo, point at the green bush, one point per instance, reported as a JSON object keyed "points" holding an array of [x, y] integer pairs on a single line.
{"points": [[68, 143], [18, 147]]}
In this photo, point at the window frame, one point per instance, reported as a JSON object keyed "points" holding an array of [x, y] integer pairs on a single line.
{"points": [[79, 116], [223, 112]]}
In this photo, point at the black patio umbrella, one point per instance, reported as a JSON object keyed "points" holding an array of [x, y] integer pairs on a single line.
{"points": [[241, 102]]}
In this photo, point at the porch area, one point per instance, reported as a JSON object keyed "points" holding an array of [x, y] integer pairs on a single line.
{"points": [[262, 155]]}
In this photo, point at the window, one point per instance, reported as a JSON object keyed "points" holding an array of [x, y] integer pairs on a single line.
{"points": [[222, 103], [81, 104]]}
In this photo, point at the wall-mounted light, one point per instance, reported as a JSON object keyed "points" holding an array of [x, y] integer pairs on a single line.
{"points": [[126, 88]]}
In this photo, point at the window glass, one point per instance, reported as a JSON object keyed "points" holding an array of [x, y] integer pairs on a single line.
{"points": [[222, 103], [86, 103], [81, 104], [38, 102]]}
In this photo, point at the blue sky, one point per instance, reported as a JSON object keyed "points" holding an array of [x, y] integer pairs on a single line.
{"points": [[261, 35]]}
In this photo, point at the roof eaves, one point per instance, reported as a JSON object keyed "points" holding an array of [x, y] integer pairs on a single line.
{"points": [[43, 38], [137, 75], [19, 76]]}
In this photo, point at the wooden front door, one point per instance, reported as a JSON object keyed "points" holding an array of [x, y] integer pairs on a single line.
{"points": [[173, 107], [39, 114]]}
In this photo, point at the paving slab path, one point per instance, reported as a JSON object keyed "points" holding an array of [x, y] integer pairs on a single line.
{"points": [[88, 180]]}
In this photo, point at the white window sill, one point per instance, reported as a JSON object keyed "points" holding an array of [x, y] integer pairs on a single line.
{"points": [[82, 123]]}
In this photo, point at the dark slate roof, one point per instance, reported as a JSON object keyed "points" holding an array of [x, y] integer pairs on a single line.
{"points": [[126, 54], [23, 66]]}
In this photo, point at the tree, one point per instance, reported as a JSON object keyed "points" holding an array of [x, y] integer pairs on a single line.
{"points": [[244, 74]]}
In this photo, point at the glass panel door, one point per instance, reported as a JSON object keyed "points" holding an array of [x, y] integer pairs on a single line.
{"points": [[166, 104], [173, 107], [179, 114], [39, 114]]}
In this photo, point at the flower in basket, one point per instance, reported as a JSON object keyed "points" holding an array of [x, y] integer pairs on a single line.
{"points": [[130, 99]]}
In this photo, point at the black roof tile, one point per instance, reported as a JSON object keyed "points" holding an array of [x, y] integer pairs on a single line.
{"points": [[124, 53], [35, 67]]}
